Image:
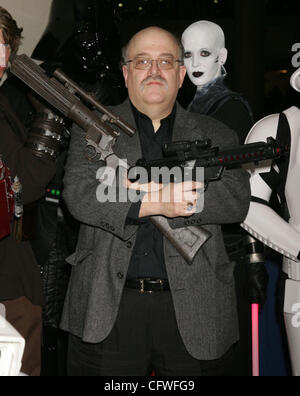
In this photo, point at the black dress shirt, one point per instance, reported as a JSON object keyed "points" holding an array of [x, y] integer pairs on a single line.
{"points": [[147, 260]]}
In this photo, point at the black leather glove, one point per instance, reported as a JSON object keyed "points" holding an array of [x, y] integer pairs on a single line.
{"points": [[257, 275], [48, 135]]}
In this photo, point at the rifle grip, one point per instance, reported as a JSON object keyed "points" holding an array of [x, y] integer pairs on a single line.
{"points": [[186, 240]]}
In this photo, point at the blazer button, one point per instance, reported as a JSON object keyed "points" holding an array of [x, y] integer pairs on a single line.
{"points": [[129, 244], [120, 275]]}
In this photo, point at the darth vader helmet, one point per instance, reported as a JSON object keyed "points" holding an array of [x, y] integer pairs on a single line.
{"points": [[82, 37]]}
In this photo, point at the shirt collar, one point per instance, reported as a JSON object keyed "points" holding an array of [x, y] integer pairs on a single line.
{"points": [[141, 116]]}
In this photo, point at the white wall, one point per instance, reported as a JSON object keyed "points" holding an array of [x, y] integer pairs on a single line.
{"points": [[32, 16]]}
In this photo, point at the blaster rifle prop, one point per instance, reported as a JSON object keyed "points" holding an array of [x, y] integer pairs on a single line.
{"points": [[190, 155], [201, 154], [61, 93]]}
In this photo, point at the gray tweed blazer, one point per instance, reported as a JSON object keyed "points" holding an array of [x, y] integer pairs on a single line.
{"points": [[203, 293]]}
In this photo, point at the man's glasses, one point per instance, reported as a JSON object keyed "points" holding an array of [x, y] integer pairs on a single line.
{"points": [[165, 63]]}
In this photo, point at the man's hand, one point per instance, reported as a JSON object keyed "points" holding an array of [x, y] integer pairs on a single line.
{"points": [[171, 200], [147, 187]]}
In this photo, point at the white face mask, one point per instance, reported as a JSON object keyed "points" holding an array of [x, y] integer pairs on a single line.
{"points": [[204, 52], [4, 55]]}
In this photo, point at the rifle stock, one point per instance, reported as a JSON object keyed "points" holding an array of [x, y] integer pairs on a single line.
{"points": [[186, 240]]}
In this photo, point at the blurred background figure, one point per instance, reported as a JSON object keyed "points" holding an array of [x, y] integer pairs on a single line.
{"points": [[20, 284], [205, 56], [87, 48]]}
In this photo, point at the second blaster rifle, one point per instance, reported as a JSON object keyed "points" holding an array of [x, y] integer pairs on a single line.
{"points": [[201, 154], [190, 155]]}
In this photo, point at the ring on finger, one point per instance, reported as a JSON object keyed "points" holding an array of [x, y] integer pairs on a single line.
{"points": [[189, 206]]}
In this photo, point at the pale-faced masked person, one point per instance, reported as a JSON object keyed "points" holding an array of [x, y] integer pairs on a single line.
{"points": [[205, 55], [133, 304], [204, 52]]}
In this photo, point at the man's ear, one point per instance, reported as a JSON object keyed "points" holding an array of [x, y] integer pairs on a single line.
{"points": [[125, 74], [223, 56], [182, 73]]}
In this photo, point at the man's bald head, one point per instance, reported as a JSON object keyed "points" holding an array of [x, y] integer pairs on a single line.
{"points": [[152, 31]]}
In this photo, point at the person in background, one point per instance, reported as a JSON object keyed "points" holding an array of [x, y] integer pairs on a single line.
{"points": [[204, 57], [20, 283]]}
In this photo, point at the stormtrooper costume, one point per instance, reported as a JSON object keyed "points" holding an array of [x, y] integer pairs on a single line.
{"points": [[204, 57], [281, 232]]}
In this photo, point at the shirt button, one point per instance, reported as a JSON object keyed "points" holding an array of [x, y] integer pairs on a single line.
{"points": [[120, 275], [129, 244]]}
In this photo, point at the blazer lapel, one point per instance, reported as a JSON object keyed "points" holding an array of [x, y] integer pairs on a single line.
{"points": [[185, 126], [127, 147]]}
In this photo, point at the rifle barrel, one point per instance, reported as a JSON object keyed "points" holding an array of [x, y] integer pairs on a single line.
{"points": [[128, 129], [212, 157], [35, 77]]}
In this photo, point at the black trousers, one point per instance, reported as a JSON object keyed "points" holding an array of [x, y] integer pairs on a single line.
{"points": [[145, 338]]}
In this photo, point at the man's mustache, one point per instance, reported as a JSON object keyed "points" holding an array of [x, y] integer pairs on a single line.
{"points": [[154, 78]]}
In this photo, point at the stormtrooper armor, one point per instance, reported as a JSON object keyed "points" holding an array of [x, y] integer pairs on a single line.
{"points": [[281, 232]]}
